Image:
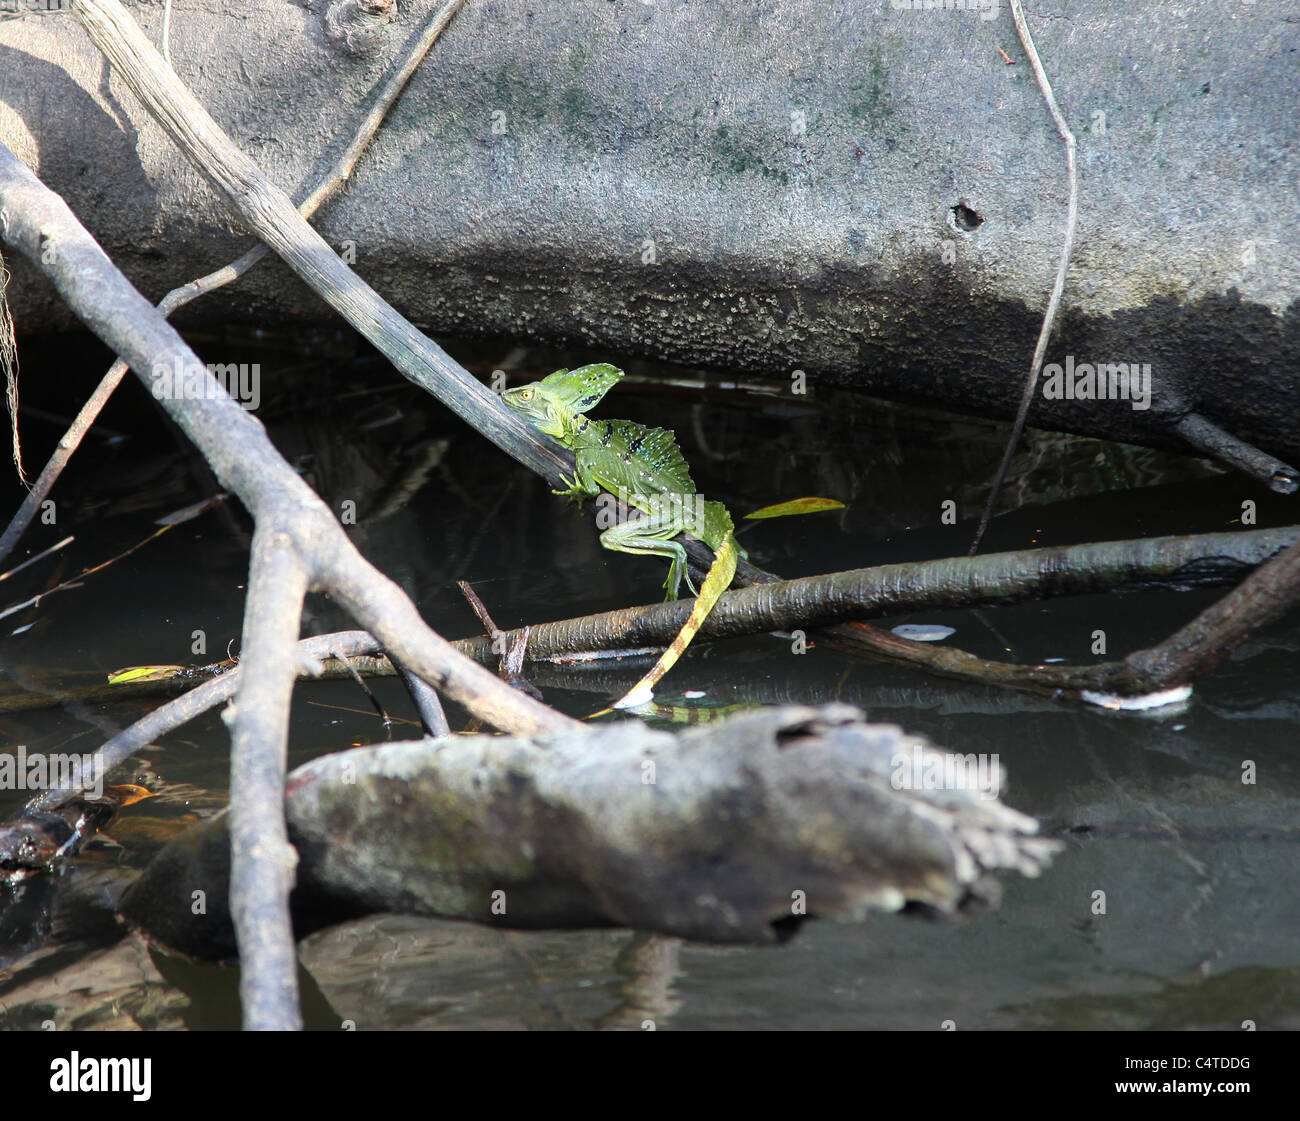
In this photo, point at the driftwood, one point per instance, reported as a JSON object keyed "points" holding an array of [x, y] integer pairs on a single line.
{"points": [[731, 832]]}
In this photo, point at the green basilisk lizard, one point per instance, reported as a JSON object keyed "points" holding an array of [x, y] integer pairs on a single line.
{"points": [[644, 469]]}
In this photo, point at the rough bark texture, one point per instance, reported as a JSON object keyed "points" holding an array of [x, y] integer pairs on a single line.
{"points": [[827, 242], [722, 833]]}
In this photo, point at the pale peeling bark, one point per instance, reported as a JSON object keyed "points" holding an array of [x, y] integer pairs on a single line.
{"points": [[729, 832]]}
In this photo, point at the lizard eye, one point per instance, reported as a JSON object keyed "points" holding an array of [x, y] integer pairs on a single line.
{"points": [[526, 394]]}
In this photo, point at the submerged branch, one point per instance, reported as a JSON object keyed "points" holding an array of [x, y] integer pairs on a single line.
{"points": [[1265, 595], [821, 601], [1196, 560]]}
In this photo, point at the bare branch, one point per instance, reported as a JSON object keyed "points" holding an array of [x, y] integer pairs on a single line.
{"points": [[262, 861], [270, 214], [288, 513]]}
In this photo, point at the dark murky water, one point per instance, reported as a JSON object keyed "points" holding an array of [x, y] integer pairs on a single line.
{"points": [[1198, 869]]}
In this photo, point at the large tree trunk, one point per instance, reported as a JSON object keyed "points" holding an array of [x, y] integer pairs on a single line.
{"points": [[811, 176]]}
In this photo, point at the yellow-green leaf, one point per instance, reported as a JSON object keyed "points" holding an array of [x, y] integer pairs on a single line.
{"points": [[797, 506], [142, 673]]}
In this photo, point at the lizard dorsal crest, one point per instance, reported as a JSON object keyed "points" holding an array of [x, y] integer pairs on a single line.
{"points": [[658, 448]]}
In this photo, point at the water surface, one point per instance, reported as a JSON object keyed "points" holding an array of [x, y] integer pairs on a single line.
{"points": [[1198, 869]]}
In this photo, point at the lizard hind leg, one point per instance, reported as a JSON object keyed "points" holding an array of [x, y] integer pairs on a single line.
{"points": [[651, 535]]}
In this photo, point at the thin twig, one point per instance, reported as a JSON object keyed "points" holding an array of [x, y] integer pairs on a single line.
{"points": [[511, 648], [1054, 302], [307, 655], [68, 444], [38, 557], [75, 581], [428, 705], [167, 31], [480, 609], [360, 683], [9, 364]]}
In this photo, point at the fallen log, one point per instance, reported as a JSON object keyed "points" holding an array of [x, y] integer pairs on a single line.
{"points": [[728, 832]]}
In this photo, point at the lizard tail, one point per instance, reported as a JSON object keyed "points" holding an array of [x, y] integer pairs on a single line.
{"points": [[718, 581]]}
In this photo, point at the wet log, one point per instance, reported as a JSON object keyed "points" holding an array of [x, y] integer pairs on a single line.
{"points": [[728, 832]]}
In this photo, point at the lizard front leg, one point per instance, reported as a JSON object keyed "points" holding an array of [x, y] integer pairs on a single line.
{"points": [[583, 484]]}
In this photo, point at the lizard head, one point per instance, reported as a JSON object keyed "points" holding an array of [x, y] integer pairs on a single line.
{"points": [[536, 406], [548, 404]]}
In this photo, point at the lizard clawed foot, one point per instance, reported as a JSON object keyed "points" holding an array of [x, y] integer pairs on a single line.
{"points": [[573, 492], [674, 583]]}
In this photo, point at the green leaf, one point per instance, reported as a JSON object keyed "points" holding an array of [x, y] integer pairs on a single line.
{"points": [[797, 506], [142, 673]]}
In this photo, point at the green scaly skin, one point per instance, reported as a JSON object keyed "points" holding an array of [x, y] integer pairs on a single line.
{"points": [[643, 468]]}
